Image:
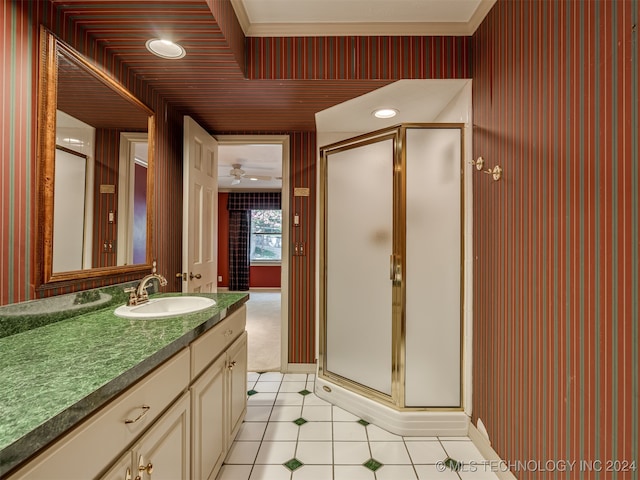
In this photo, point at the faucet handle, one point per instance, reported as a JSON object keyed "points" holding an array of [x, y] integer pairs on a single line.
{"points": [[133, 298]]}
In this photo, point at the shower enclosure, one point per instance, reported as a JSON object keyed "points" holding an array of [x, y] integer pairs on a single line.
{"points": [[391, 286]]}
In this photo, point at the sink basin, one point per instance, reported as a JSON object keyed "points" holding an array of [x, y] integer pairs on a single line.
{"points": [[165, 307]]}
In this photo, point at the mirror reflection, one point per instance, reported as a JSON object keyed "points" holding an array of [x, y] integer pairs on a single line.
{"points": [[97, 150]]}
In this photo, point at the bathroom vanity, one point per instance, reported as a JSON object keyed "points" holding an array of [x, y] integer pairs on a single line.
{"points": [[100, 396]]}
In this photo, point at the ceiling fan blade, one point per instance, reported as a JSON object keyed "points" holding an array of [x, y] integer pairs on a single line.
{"points": [[259, 177], [235, 181]]}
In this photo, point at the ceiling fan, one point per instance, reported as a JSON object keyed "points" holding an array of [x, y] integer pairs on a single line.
{"points": [[238, 174]]}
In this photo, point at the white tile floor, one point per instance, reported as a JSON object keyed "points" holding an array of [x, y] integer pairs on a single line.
{"points": [[291, 434]]}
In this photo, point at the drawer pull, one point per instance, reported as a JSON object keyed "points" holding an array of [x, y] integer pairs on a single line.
{"points": [[148, 468], [145, 410], [232, 364], [228, 333]]}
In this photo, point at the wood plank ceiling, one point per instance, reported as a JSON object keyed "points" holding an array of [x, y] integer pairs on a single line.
{"points": [[210, 83]]}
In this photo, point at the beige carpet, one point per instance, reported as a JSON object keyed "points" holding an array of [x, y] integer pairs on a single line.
{"points": [[263, 330]]}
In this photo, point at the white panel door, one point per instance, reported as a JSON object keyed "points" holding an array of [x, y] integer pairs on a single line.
{"points": [[200, 214]]}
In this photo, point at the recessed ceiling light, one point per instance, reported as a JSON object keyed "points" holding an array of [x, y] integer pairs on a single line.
{"points": [[165, 48], [385, 113]]}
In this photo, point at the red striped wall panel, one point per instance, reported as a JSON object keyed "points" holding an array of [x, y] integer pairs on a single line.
{"points": [[20, 21], [556, 242], [18, 66], [358, 58], [107, 162]]}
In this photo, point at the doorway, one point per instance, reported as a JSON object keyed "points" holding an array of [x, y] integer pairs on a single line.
{"points": [[259, 163], [132, 199]]}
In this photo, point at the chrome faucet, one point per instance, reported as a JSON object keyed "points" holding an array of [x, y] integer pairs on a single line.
{"points": [[139, 295]]}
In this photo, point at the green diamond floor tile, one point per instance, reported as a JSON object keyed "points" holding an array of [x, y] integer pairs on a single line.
{"points": [[372, 464], [293, 464], [452, 464], [251, 392], [299, 421], [304, 392], [362, 422]]}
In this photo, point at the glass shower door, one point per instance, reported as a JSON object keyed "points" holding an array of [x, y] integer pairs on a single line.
{"points": [[358, 228]]}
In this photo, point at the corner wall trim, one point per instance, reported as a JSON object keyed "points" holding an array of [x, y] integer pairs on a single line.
{"points": [[482, 443]]}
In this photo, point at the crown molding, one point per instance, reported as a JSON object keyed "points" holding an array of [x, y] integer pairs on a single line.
{"points": [[361, 29]]}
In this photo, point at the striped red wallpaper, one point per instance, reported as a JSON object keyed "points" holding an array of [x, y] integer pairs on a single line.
{"points": [[20, 21], [18, 66], [358, 58], [107, 156], [556, 245]]}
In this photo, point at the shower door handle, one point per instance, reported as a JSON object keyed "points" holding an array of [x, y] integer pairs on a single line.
{"points": [[394, 274], [392, 268]]}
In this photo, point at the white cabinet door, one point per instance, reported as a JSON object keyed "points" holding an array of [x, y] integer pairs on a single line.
{"points": [[122, 469], [237, 369], [164, 450], [207, 407]]}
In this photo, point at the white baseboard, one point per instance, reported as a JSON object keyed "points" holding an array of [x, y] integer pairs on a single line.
{"points": [[299, 368], [483, 444], [406, 423]]}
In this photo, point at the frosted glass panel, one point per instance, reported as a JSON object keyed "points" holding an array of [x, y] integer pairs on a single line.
{"points": [[359, 224], [433, 268]]}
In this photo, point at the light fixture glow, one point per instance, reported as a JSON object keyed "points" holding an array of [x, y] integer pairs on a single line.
{"points": [[253, 179], [165, 48], [385, 113]]}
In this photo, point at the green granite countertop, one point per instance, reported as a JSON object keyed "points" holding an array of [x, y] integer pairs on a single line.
{"points": [[53, 376]]}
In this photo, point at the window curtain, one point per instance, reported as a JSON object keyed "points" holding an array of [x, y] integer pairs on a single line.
{"points": [[240, 205]]}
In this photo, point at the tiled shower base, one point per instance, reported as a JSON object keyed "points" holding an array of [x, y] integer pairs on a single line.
{"points": [[291, 434]]}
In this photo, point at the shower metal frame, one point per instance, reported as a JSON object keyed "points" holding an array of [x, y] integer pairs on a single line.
{"points": [[398, 348]]}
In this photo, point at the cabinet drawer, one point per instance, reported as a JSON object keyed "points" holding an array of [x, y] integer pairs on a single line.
{"points": [[91, 447], [209, 346]]}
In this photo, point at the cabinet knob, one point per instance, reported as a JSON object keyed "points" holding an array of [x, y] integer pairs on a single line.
{"points": [[148, 468], [232, 364]]}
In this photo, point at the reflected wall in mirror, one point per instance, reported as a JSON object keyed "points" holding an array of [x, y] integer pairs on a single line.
{"points": [[95, 171]]}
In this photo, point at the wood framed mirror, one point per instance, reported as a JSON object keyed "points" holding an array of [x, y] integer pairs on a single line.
{"points": [[95, 172]]}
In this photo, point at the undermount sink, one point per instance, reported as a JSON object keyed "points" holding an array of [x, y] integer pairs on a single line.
{"points": [[165, 307]]}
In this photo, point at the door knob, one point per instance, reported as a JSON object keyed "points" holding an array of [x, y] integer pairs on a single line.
{"points": [[197, 275]]}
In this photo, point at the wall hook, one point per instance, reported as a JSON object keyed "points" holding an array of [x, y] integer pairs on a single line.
{"points": [[495, 171], [479, 163]]}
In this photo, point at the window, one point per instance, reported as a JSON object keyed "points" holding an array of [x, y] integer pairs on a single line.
{"points": [[266, 236]]}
